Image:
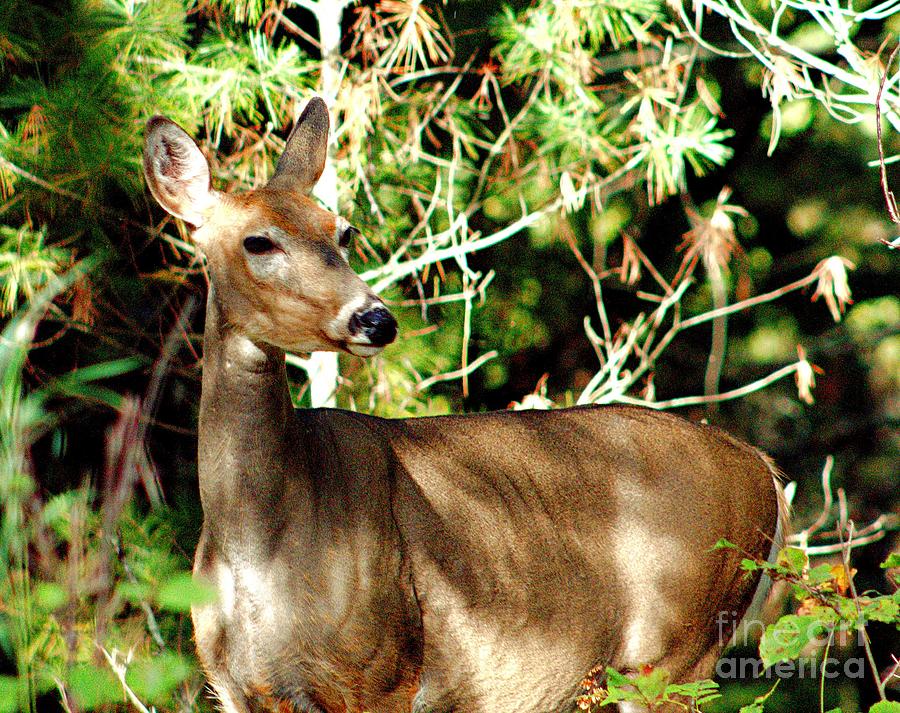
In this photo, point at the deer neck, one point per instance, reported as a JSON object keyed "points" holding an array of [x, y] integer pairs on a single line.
{"points": [[248, 438]]}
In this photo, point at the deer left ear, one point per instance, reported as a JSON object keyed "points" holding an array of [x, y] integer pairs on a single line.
{"points": [[303, 159], [176, 171]]}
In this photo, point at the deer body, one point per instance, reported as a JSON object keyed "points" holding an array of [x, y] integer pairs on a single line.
{"points": [[475, 564]]}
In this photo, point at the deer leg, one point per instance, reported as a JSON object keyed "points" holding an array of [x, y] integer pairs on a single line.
{"points": [[231, 699], [228, 695]]}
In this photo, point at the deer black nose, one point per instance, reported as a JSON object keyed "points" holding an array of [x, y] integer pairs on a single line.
{"points": [[377, 325]]}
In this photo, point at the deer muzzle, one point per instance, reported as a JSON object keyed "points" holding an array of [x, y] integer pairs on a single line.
{"points": [[375, 325]]}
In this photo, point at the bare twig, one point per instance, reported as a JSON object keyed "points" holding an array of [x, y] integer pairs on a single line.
{"points": [[844, 524], [873, 532], [889, 199], [749, 302], [801, 539], [457, 374], [120, 669], [467, 333], [597, 286], [719, 343], [714, 398], [477, 290], [893, 672]]}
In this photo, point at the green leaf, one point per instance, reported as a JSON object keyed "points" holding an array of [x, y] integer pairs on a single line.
{"points": [[9, 694], [819, 575], [19, 331], [134, 592], [749, 565], [893, 560], [751, 708], [846, 610], [154, 679], [885, 707], [700, 691], [615, 694], [57, 513], [786, 639], [104, 370], [619, 688], [50, 596], [93, 687], [182, 591], [6, 642], [80, 383], [881, 609], [793, 559], [724, 544], [652, 685], [614, 678]]}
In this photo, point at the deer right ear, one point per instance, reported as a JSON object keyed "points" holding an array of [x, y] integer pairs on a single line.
{"points": [[176, 171], [303, 159]]}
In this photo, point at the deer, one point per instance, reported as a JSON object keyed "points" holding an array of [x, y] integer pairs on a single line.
{"points": [[471, 563]]}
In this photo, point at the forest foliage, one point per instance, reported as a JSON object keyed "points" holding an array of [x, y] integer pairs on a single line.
{"points": [[579, 201]]}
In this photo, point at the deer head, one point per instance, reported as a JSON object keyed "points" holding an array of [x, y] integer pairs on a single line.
{"points": [[277, 260]]}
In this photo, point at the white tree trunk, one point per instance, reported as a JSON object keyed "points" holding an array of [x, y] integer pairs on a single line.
{"points": [[322, 367]]}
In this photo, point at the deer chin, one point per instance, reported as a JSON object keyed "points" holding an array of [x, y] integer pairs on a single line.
{"points": [[362, 350]]}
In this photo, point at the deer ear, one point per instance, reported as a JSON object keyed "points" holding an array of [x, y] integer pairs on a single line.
{"points": [[303, 159], [176, 171]]}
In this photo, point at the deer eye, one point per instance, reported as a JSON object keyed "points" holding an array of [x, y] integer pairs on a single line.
{"points": [[346, 237], [258, 244]]}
